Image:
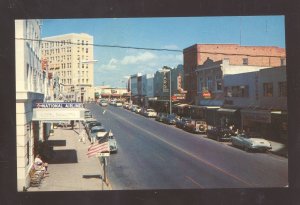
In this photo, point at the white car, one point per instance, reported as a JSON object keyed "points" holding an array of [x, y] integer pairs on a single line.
{"points": [[103, 103], [119, 104], [250, 143], [150, 113]]}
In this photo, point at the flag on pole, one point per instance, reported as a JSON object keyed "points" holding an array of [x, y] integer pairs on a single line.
{"points": [[101, 146]]}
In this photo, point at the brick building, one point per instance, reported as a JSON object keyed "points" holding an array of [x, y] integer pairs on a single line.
{"points": [[193, 56]]}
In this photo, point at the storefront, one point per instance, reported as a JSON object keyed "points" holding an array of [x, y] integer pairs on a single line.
{"points": [[257, 121], [229, 116]]}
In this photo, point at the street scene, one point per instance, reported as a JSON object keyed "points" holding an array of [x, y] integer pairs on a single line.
{"points": [[136, 110]]}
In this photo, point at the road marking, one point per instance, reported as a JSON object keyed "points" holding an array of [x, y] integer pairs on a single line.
{"points": [[184, 151], [160, 157], [192, 180]]}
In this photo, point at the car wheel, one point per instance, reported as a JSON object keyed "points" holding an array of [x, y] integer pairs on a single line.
{"points": [[246, 149]]}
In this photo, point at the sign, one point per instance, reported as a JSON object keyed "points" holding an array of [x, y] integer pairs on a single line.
{"points": [[58, 105], [106, 154], [155, 98], [165, 83], [206, 94], [179, 82], [57, 114]]}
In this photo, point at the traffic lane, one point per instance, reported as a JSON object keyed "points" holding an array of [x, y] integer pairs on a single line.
{"points": [[247, 166], [260, 168], [155, 165]]}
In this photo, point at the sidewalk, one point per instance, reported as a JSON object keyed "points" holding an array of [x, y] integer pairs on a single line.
{"points": [[69, 167], [279, 149]]}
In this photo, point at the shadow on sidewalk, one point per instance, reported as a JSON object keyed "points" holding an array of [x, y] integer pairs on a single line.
{"points": [[97, 176], [56, 143], [63, 157]]}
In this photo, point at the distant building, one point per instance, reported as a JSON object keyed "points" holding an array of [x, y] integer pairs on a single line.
{"points": [[70, 58], [264, 56], [136, 88], [107, 92]]}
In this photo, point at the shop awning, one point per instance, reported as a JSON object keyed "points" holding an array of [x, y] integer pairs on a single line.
{"points": [[227, 110], [182, 105], [58, 114]]}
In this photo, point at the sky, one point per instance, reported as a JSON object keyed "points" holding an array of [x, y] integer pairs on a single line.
{"points": [[175, 33]]}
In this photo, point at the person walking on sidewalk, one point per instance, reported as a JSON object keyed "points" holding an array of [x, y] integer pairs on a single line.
{"points": [[82, 136]]}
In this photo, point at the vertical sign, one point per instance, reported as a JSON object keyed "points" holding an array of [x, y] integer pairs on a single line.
{"points": [[165, 83]]}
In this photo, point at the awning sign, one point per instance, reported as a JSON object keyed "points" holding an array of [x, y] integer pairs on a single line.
{"points": [[58, 105], [57, 114]]}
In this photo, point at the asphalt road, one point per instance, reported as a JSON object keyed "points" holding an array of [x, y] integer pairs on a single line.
{"points": [[152, 155]]}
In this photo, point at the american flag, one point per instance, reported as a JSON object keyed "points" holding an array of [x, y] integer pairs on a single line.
{"points": [[102, 146]]}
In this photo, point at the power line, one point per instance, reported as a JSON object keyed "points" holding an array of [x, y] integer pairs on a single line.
{"points": [[102, 45], [152, 49]]}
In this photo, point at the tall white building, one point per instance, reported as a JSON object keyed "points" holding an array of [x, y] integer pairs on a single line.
{"points": [[70, 58], [30, 87]]}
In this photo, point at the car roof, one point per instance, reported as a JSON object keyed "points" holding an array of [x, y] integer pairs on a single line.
{"points": [[97, 127]]}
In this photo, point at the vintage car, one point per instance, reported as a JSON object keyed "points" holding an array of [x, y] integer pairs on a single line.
{"points": [[170, 119], [160, 116], [103, 103], [196, 126], [92, 124], [249, 143], [220, 134], [118, 104], [180, 123], [150, 113], [96, 132]]}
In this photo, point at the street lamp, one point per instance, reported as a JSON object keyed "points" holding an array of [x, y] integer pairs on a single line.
{"points": [[170, 87]]}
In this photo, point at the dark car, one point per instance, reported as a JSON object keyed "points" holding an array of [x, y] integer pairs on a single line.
{"points": [[180, 123], [170, 119], [160, 117], [220, 134], [93, 124]]}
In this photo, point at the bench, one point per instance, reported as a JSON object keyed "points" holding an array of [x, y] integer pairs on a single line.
{"points": [[36, 177]]}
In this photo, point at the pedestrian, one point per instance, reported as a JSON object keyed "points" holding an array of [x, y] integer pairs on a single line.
{"points": [[40, 165]]}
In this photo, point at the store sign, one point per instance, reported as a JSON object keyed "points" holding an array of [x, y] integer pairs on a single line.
{"points": [[165, 83], [58, 105], [206, 94], [57, 114], [179, 82]]}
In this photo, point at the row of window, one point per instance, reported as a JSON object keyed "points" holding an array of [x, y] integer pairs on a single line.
{"points": [[268, 89], [62, 43], [210, 84]]}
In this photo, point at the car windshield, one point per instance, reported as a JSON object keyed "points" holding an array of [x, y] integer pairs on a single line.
{"points": [[98, 130], [150, 110]]}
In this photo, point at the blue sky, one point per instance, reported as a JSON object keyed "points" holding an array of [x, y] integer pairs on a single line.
{"points": [[170, 33]]}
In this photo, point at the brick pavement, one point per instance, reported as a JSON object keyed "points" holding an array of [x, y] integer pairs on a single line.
{"points": [[69, 167]]}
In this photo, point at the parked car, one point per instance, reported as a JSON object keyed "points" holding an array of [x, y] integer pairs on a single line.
{"points": [[138, 110], [87, 114], [170, 119], [150, 113], [87, 121], [196, 126], [103, 103], [133, 107], [92, 124], [160, 117], [181, 122], [112, 144], [113, 102], [220, 134], [248, 143], [125, 105], [96, 132], [118, 104]]}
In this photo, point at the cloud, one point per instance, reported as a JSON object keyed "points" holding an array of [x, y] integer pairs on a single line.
{"points": [[139, 58], [111, 66]]}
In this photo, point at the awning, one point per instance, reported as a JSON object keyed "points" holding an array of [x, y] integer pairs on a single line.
{"points": [[58, 114], [227, 110], [182, 105]]}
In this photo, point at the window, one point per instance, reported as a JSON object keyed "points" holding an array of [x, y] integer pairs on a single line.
{"points": [[200, 84], [245, 61], [237, 91], [86, 50], [282, 61], [282, 88], [209, 83], [268, 89], [218, 82]]}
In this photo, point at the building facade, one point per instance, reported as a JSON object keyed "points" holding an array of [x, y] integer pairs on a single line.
{"points": [[193, 56], [31, 80], [70, 58]]}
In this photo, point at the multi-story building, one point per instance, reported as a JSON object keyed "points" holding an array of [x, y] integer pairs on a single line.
{"points": [[136, 88], [264, 56], [31, 80], [70, 59]]}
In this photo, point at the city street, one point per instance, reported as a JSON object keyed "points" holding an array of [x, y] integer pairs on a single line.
{"points": [[152, 155]]}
